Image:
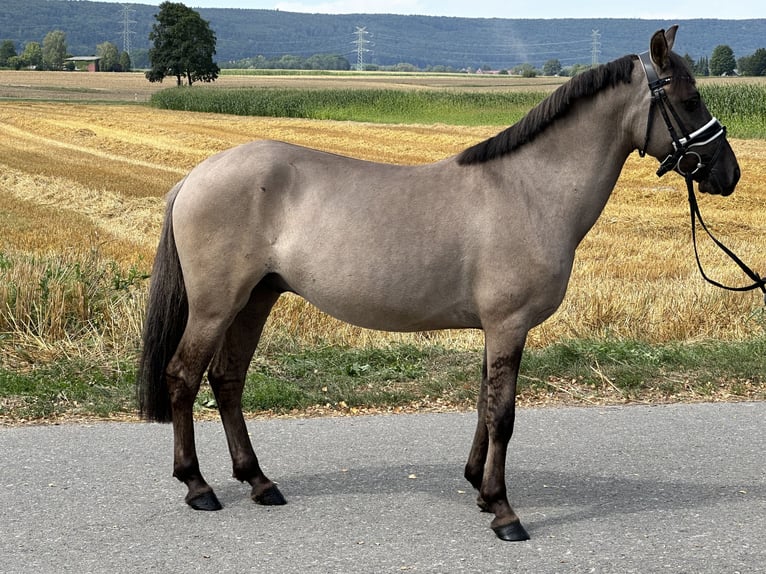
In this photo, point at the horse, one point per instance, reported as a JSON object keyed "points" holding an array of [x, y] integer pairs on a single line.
{"points": [[484, 239]]}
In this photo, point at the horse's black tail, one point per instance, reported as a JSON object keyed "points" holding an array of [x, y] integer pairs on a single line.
{"points": [[166, 317]]}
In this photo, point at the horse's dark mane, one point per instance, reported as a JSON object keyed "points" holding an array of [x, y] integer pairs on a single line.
{"points": [[550, 109]]}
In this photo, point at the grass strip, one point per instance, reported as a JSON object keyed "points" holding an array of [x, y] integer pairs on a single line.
{"points": [[343, 380]]}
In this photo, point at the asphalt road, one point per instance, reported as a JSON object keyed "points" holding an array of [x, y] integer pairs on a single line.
{"points": [[630, 489]]}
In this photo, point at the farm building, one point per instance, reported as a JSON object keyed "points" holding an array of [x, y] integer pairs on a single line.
{"points": [[86, 63]]}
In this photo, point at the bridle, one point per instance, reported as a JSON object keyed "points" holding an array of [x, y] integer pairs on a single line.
{"points": [[688, 162], [684, 159]]}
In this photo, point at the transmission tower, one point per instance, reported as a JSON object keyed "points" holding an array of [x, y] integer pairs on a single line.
{"points": [[595, 50], [361, 42], [126, 23]]}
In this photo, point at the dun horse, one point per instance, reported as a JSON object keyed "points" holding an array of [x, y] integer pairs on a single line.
{"points": [[482, 240]]}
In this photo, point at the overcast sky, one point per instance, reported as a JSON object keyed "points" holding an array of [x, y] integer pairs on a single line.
{"points": [[675, 10]]}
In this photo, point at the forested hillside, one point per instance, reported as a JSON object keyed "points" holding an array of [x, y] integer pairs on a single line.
{"points": [[388, 39]]}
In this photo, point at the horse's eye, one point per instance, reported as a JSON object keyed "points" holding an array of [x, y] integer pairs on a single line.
{"points": [[692, 104]]}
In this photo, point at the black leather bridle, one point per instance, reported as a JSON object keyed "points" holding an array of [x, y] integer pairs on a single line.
{"points": [[688, 162], [684, 159]]}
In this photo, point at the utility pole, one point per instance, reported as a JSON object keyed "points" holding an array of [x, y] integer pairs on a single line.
{"points": [[595, 48], [361, 42], [126, 31]]}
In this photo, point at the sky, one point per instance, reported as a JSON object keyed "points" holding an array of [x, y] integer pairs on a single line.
{"points": [[674, 10]]}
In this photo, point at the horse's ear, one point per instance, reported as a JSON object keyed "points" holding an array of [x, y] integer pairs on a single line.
{"points": [[670, 35], [659, 48]]}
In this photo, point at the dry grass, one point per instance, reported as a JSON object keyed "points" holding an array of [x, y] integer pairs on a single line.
{"points": [[75, 178]]}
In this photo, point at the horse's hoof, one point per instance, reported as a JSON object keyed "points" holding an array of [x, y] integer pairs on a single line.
{"points": [[205, 501], [270, 497], [513, 532], [483, 506]]}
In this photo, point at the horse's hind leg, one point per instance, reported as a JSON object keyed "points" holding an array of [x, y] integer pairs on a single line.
{"points": [[227, 378], [184, 375]]}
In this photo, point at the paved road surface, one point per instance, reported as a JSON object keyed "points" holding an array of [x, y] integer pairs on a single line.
{"points": [[633, 489]]}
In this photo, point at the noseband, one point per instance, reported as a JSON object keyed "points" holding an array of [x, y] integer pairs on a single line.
{"points": [[684, 159], [688, 162]]}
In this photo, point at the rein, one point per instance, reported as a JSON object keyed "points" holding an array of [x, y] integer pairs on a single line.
{"points": [[694, 210], [689, 163]]}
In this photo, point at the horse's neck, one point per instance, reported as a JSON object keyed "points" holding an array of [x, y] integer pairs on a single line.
{"points": [[582, 156]]}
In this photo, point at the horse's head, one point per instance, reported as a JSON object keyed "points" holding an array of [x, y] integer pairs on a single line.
{"points": [[680, 130]]}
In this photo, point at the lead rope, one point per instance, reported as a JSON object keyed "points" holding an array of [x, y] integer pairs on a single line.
{"points": [[758, 282]]}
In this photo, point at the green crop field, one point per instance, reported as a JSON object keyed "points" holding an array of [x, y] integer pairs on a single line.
{"points": [[741, 107]]}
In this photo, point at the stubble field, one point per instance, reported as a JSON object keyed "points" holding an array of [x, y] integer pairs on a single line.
{"points": [[82, 186]]}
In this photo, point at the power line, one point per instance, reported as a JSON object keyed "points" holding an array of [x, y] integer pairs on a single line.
{"points": [[126, 23], [361, 42], [595, 47]]}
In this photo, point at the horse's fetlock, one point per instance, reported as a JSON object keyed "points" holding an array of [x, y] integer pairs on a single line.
{"points": [[246, 472], [494, 495], [187, 472]]}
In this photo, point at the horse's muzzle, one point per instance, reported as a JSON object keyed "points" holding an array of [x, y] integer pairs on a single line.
{"points": [[718, 183], [722, 173]]}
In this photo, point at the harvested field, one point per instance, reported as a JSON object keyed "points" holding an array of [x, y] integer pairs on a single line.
{"points": [[78, 177]]}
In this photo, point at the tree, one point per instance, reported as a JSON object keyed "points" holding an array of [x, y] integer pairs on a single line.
{"points": [[54, 50], [551, 68], [753, 65], [722, 61], [702, 67], [184, 46], [7, 51], [125, 63], [110, 56], [525, 71], [327, 62], [32, 56]]}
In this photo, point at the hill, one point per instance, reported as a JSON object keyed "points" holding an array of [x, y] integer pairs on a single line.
{"points": [[390, 39]]}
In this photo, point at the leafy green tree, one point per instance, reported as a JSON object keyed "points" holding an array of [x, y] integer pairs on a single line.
{"points": [[110, 56], [139, 58], [290, 62], [125, 63], [32, 56], [722, 61], [54, 50], [7, 51], [551, 68], [525, 71], [578, 69], [702, 67], [184, 46], [753, 65], [327, 62]]}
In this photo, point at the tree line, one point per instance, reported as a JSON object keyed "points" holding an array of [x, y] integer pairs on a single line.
{"points": [[52, 54]]}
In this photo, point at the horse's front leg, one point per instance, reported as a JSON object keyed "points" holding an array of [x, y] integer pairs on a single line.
{"points": [[474, 468], [503, 356]]}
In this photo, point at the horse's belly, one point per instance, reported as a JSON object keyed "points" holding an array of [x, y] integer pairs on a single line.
{"points": [[391, 305], [387, 318]]}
